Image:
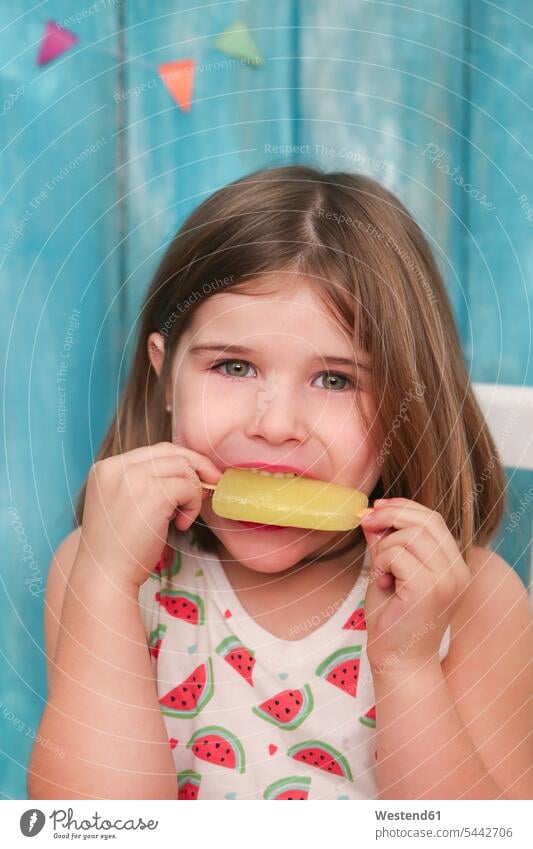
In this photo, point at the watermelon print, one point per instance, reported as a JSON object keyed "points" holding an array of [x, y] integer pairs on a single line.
{"points": [[156, 638], [219, 746], [238, 656], [369, 718], [168, 565], [182, 605], [188, 784], [292, 787], [191, 696], [320, 754], [342, 669], [287, 709], [248, 715], [357, 621]]}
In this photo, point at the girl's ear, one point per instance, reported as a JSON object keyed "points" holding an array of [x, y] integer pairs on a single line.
{"points": [[156, 351]]}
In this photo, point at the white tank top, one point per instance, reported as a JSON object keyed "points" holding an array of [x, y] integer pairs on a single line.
{"points": [[250, 715]]}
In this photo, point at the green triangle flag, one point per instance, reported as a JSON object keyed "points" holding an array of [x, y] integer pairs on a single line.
{"points": [[237, 41]]}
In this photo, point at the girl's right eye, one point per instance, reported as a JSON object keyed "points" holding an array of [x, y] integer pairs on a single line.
{"points": [[218, 366]]}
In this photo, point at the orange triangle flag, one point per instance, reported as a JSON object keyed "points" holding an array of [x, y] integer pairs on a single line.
{"points": [[178, 78]]}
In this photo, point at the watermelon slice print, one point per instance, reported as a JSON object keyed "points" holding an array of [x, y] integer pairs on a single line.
{"points": [[369, 718], [287, 709], [182, 605], [357, 621], [217, 745], [322, 755], [188, 784], [156, 638], [291, 787], [169, 564], [191, 696], [238, 656], [342, 669]]}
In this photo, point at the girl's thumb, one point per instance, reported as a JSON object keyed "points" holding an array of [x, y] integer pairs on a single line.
{"points": [[372, 538], [384, 582]]}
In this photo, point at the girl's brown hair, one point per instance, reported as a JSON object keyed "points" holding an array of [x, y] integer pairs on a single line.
{"points": [[375, 274]]}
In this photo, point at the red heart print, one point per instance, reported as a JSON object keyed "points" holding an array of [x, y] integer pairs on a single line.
{"points": [[227, 614], [272, 749]]}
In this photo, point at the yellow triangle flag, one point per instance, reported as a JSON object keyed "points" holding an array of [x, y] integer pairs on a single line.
{"points": [[237, 41]]}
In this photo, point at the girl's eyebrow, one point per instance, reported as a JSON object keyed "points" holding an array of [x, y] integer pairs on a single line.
{"points": [[241, 349]]}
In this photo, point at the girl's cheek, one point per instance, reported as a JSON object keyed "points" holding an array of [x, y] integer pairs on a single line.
{"points": [[176, 433]]}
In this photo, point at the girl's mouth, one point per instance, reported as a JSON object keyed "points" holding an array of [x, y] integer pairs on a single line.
{"points": [[255, 526]]}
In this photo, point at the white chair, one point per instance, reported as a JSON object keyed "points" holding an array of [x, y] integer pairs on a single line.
{"points": [[509, 414]]}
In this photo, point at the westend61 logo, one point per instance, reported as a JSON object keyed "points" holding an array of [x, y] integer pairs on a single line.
{"points": [[33, 820]]}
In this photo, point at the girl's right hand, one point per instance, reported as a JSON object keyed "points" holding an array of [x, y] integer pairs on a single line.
{"points": [[130, 500]]}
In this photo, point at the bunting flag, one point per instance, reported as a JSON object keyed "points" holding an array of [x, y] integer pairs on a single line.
{"points": [[55, 41], [237, 41], [178, 77]]}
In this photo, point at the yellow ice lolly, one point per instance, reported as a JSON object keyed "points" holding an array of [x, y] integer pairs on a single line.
{"points": [[249, 495]]}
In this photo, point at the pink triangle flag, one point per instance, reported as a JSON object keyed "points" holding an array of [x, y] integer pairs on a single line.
{"points": [[55, 41]]}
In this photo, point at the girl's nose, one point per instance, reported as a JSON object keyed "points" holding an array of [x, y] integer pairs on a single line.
{"points": [[278, 415]]}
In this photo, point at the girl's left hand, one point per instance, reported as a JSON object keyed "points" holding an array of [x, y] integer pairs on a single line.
{"points": [[416, 580]]}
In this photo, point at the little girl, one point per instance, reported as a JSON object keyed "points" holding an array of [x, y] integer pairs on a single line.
{"points": [[197, 657]]}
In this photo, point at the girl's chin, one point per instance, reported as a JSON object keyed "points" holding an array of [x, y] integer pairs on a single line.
{"points": [[265, 551]]}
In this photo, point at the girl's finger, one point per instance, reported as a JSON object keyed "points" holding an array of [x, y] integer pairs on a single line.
{"points": [[183, 499], [405, 516], [207, 469], [372, 539], [145, 452], [170, 467], [398, 501], [411, 579], [399, 562], [421, 545], [444, 580]]}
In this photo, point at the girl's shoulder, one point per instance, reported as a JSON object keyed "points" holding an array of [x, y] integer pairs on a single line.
{"points": [[495, 599], [493, 578], [485, 563]]}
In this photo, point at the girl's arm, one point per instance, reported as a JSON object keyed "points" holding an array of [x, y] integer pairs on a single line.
{"points": [[464, 730], [102, 712]]}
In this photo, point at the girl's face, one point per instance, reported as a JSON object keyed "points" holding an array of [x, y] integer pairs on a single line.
{"points": [[270, 392]]}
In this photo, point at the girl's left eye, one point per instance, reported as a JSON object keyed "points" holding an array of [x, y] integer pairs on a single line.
{"points": [[217, 366], [335, 376]]}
